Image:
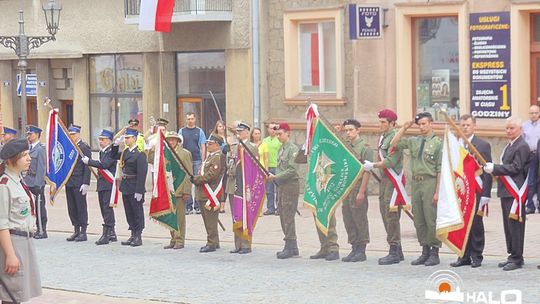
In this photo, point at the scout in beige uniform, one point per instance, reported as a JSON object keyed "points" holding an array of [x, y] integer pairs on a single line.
{"points": [[286, 178], [234, 180], [425, 167], [183, 191], [392, 193], [18, 263], [211, 174]]}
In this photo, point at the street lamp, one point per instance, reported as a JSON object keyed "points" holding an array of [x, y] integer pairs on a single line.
{"points": [[22, 45]]}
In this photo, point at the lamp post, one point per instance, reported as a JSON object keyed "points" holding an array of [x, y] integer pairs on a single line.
{"points": [[22, 45]]}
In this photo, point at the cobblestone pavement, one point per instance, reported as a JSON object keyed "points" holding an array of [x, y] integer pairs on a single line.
{"points": [[94, 274]]}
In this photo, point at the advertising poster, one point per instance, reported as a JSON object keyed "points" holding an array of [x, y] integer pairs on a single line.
{"points": [[440, 85], [490, 65]]}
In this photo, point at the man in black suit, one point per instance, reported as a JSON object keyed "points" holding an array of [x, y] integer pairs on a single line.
{"points": [[475, 245], [134, 168], [76, 188], [106, 166], [511, 185]]}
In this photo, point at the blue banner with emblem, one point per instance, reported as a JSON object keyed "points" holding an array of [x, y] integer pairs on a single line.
{"points": [[62, 153]]}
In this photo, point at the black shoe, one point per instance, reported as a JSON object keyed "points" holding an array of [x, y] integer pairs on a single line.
{"points": [[529, 211], [476, 264], [502, 264], [433, 258], [112, 235], [392, 257], [332, 256], [351, 254], [287, 253], [244, 251], [128, 241], [76, 232], [42, 235], [104, 239], [511, 266], [461, 262], [268, 212], [236, 250], [207, 248], [400, 253], [170, 246], [423, 257], [538, 266], [82, 235], [319, 255], [360, 255], [198, 211], [136, 242], [189, 211]]}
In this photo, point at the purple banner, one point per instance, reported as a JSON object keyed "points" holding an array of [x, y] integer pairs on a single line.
{"points": [[490, 65], [248, 206]]}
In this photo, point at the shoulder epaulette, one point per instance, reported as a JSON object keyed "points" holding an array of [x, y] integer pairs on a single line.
{"points": [[4, 180]]}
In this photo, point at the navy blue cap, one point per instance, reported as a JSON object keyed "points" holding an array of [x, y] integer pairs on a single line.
{"points": [[10, 131], [106, 134], [131, 132], [33, 129], [74, 129], [13, 147]]}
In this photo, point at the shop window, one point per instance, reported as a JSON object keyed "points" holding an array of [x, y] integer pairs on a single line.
{"points": [[313, 56], [116, 83], [436, 67]]}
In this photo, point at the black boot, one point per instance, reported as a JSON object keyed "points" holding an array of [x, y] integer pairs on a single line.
{"points": [[400, 253], [104, 239], [137, 240], [319, 255], [423, 257], [82, 235], [128, 241], [433, 257], [351, 254], [41, 234], [392, 257], [112, 235], [360, 255], [76, 231], [289, 250]]}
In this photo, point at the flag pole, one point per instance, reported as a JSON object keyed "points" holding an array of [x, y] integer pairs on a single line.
{"points": [[465, 139]]}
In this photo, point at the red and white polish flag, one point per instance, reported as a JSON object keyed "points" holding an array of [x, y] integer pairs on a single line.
{"points": [[156, 15]]}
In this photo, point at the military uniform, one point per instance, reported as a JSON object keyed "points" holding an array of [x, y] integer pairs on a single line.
{"points": [[134, 169], [288, 190], [17, 216], [392, 159], [355, 218], [178, 237], [107, 168], [235, 187], [35, 180], [212, 173], [76, 200], [425, 166]]}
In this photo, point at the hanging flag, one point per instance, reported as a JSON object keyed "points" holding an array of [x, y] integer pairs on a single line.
{"points": [[457, 194], [332, 173], [168, 177], [311, 113], [247, 206], [156, 15], [62, 153]]}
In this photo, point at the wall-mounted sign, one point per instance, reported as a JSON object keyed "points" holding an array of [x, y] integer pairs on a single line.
{"points": [[490, 65], [31, 85], [365, 22]]}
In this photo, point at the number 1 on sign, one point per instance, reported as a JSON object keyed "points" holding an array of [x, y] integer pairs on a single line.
{"points": [[505, 106]]}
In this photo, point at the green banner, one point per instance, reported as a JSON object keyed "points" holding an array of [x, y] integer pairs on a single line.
{"points": [[333, 170]]}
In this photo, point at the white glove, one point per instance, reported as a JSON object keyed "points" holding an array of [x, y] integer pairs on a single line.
{"points": [[119, 140], [84, 189], [138, 197], [368, 166], [488, 168], [484, 200], [85, 159]]}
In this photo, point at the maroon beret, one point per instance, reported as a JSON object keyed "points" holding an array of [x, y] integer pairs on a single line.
{"points": [[284, 126], [388, 114]]}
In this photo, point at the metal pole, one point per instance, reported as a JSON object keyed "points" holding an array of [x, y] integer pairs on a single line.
{"points": [[255, 63], [22, 54]]}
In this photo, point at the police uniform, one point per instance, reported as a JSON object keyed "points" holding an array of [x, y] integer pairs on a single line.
{"points": [[134, 169], [106, 166], [212, 172], [425, 167], [16, 215], [178, 237], [392, 159], [288, 190], [235, 185], [355, 218], [7, 131], [76, 187], [35, 180]]}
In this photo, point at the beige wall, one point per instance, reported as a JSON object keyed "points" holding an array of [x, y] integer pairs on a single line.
{"points": [[6, 95], [239, 84]]}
